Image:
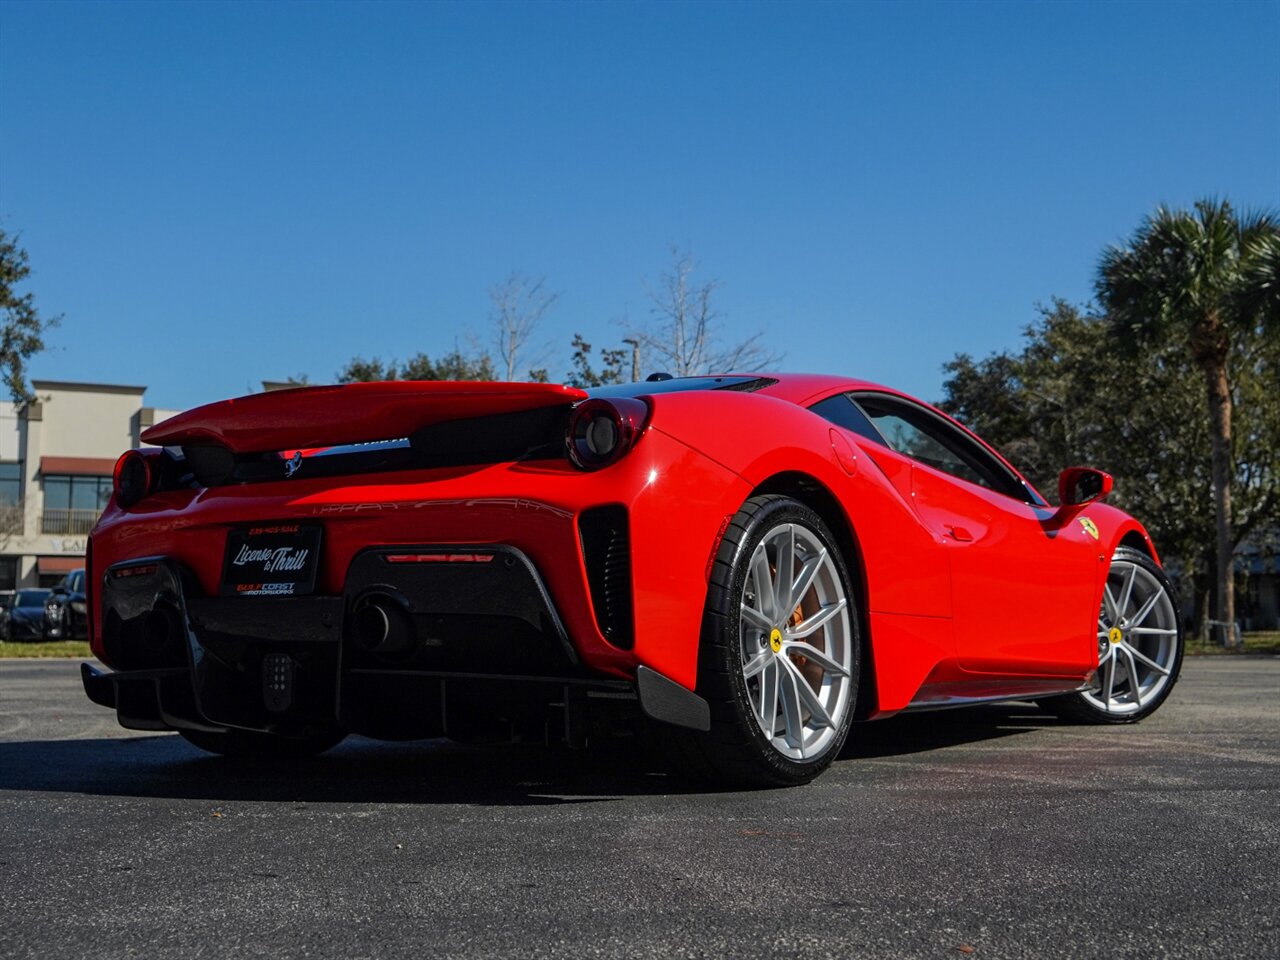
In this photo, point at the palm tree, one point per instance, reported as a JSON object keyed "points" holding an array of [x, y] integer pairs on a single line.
{"points": [[1204, 279]]}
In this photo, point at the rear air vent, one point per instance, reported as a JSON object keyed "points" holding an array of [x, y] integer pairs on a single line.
{"points": [[606, 548]]}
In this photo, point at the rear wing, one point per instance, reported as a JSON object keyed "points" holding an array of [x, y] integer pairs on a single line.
{"points": [[313, 417]]}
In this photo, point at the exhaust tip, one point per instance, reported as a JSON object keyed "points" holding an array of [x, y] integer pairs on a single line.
{"points": [[162, 627], [381, 625]]}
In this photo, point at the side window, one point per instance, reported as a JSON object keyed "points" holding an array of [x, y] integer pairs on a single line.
{"points": [[843, 412], [916, 433]]}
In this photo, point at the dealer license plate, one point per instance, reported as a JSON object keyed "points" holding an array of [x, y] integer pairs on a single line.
{"points": [[271, 560]]}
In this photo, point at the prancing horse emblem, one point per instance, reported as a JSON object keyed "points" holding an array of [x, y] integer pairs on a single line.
{"points": [[292, 464]]}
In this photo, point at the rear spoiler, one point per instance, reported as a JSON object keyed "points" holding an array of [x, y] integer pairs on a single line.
{"points": [[311, 417]]}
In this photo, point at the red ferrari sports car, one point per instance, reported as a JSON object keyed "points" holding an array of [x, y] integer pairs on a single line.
{"points": [[738, 566]]}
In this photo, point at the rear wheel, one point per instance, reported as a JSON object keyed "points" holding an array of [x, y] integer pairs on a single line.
{"points": [[249, 744], [1140, 643], [780, 651]]}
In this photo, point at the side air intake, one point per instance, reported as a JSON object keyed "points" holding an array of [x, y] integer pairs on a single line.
{"points": [[606, 548]]}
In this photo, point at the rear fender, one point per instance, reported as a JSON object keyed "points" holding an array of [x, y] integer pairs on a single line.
{"points": [[905, 571]]}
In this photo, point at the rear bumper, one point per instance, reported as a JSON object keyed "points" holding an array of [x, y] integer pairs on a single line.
{"points": [[401, 653]]}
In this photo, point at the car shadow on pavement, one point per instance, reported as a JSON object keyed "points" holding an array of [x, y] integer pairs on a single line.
{"points": [[937, 729], [432, 772]]}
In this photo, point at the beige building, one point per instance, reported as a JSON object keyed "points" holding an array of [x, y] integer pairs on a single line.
{"points": [[56, 459]]}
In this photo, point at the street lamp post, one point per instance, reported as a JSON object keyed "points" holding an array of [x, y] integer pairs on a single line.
{"points": [[635, 358]]}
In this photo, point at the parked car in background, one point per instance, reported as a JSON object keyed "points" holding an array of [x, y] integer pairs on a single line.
{"points": [[64, 611], [24, 620]]}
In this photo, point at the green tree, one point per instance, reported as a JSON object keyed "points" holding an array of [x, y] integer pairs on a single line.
{"points": [[451, 366], [1072, 395], [21, 326], [454, 365], [1203, 281], [360, 370], [585, 375]]}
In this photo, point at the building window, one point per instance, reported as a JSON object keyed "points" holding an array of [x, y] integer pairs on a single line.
{"points": [[72, 504], [10, 499], [10, 483], [8, 573]]}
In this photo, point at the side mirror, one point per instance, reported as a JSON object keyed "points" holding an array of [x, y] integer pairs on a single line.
{"points": [[1077, 485]]}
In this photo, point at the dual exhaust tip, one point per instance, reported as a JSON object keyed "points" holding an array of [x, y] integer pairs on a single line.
{"points": [[381, 625]]}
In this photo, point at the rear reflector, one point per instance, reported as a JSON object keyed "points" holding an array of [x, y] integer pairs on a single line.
{"points": [[439, 558], [134, 571]]}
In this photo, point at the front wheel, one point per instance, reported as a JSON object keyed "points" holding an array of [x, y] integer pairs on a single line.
{"points": [[248, 744], [1140, 642], [780, 651]]}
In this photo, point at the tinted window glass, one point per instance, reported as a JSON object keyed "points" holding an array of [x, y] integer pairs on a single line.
{"points": [[841, 411], [916, 433], [908, 439]]}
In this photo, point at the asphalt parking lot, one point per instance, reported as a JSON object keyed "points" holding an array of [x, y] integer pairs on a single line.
{"points": [[989, 832]]}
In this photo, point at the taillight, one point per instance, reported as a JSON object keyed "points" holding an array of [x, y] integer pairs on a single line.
{"points": [[602, 431], [133, 478]]}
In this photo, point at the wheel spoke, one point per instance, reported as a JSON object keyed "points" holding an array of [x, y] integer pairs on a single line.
{"points": [[811, 624], [783, 577], [814, 655], [1135, 652], [1109, 603], [769, 696], [756, 618], [1145, 609], [804, 580], [817, 712], [791, 710], [1135, 687], [756, 664], [1153, 631], [1128, 590], [762, 583], [1109, 681]]}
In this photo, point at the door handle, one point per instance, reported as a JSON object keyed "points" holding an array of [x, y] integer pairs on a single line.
{"points": [[958, 533]]}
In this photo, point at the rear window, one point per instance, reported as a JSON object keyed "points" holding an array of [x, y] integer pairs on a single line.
{"points": [[644, 388]]}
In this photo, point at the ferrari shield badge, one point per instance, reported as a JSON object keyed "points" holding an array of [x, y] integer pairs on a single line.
{"points": [[1089, 527]]}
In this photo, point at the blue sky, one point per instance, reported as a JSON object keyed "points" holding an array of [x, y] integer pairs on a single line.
{"points": [[216, 194]]}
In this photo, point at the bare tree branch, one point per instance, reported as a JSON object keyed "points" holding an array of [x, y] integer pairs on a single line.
{"points": [[519, 304], [684, 338]]}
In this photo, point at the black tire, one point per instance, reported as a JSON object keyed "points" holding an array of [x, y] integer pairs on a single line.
{"points": [[1084, 706], [736, 750], [249, 745]]}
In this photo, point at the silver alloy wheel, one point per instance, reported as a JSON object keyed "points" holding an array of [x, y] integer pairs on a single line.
{"points": [[1137, 640], [796, 642]]}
